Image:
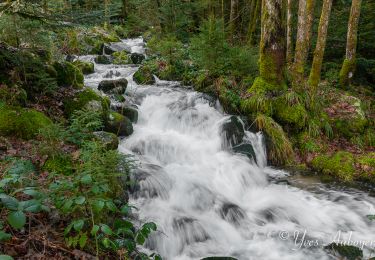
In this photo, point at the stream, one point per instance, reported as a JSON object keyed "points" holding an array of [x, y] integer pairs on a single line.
{"points": [[207, 199]]}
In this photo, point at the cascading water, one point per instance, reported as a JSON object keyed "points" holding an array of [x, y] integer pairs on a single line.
{"points": [[210, 201]]}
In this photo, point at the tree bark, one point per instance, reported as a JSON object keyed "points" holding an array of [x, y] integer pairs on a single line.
{"points": [[253, 21], [272, 48], [233, 19], [289, 44], [348, 66], [314, 77], [304, 32]]}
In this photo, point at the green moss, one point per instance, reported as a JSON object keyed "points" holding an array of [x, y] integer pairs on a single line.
{"points": [[103, 59], [279, 147], [144, 76], [294, 115], [307, 144], [69, 75], [83, 98], [344, 76], [348, 127], [61, 164], [121, 58], [23, 123], [340, 165], [85, 67], [267, 70]]}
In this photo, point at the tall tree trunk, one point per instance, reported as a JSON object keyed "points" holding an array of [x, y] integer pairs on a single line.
{"points": [[304, 32], [289, 44], [253, 21], [348, 66], [272, 47], [314, 77], [124, 9], [233, 19]]}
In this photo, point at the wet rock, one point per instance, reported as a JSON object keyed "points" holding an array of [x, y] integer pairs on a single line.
{"points": [[233, 131], [113, 86], [232, 213], [109, 140], [191, 231], [103, 59], [129, 112], [345, 251], [137, 58], [70, 58], [118, 97], [111, 74], [110, 48], [119, 124], [246, 149]]}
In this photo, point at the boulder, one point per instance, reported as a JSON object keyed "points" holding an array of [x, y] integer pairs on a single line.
{"points": [[21, 122], [233, 131], [68, 75], [118, 124], [110, 48], [103, 59], [86, 99], [137, 58], [128, 111], [246, 149], [85, 67], [113, 86], [109, 140]]}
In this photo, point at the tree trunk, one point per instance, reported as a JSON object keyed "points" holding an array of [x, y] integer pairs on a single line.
{"points": [[348, 66], [233, 19], [253, 21], [124, 9], [314, 77], [304, 32], [289, 44], [272, 47]]}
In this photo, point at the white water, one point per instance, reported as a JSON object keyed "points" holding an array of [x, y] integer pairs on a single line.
{"points": [[209, 201]]}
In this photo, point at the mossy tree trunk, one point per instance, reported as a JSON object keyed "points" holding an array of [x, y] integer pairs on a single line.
{"points": [[314, 77], [254, 15], [272, 47], [289, 44], [348, 66], [304, 33], [233, 19]]}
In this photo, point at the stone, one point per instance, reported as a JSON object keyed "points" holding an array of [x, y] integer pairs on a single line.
{"points": [[233, 131], [117, 86], [118, 124], [137, 58], [109, 140]]}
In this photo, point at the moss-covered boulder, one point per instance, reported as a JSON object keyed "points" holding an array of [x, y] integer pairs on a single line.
{"points": [[83, 99], [121, 58], [103, 59], [68, 75], [21, 122], [347, 116], [128, 111], [340, 164], [113, 86], [118, 124], [85, 67], [108, 140], [289, 114], [144, 76]]}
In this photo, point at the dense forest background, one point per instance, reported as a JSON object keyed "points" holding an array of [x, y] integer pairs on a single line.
{"points": [[302, 72]]}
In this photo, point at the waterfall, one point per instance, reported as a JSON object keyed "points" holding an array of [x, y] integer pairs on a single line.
{"points": [[208, 199]]}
